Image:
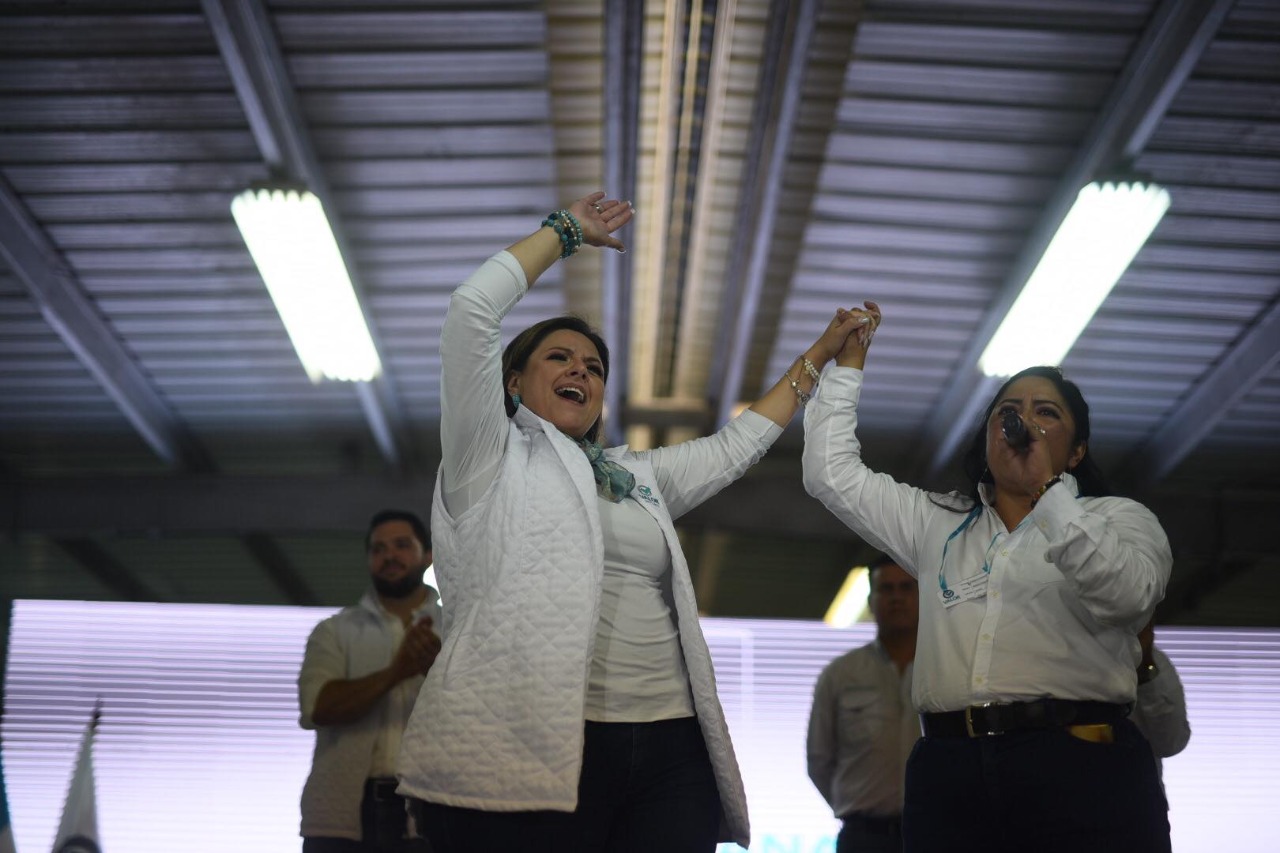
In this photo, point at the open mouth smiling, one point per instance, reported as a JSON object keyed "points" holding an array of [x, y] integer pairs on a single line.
{"points": [[573, 394]]}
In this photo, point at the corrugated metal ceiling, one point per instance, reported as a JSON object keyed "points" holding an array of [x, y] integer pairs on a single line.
{"points": [[157, 432]]}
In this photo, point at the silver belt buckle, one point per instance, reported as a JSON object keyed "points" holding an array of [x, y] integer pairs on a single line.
{"points": [[968, 721]]}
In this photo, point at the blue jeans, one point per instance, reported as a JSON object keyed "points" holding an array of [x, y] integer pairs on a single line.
{"points": [[1046, 791], [644, 787]]}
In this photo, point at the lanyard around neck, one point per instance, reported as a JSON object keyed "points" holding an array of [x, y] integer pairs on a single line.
{"points": [[964, 525]]}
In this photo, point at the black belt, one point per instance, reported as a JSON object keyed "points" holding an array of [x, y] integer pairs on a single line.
{"points": [[994, 719], [874, 824], [381, 790], [383, 819]]}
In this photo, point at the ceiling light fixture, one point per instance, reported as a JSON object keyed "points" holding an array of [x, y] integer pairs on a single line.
{"points": [[291, 242], [1101, 234], [850, 604]]}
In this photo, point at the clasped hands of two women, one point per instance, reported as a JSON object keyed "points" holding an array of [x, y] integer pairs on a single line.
{"points": [[846, 340], [850, 331]]}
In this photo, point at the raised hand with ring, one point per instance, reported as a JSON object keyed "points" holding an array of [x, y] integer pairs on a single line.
{"points": [[600, 217]]}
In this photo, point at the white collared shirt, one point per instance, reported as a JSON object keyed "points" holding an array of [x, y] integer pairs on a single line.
{"points": [[1058, 601], [1161, 710], [862, 728], [352, 643]]}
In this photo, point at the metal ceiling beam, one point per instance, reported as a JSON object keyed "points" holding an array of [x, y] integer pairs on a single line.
{"points": [[650, 297], [1215, 557], [228, 505], [778, 91], [255, 61], [224, 505], [1249, 360], [769, 500], [624, 53], [1159, 64], [263, 548], [107, 569], [700, 279], [668, 413], [1186, 595], [72, 313], [699, 120]]}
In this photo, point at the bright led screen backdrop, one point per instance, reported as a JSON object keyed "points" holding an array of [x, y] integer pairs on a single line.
{"points": [[199, 748]]}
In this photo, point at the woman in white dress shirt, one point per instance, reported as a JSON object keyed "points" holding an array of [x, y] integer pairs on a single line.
{"points": [[1032, 590], [573, 704]]}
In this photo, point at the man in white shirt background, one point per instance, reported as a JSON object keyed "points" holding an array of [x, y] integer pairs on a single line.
{"points": [[360, 676], [1160, 711], [863, 725]]}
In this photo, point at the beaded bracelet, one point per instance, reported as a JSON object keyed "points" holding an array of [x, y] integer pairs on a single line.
{"points": [[1035, 499], [577, 228], [810, 369], [567, 229], [564, 224]]}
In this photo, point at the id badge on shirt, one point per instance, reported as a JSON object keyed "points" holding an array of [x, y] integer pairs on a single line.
{"points": [[974, 586]]}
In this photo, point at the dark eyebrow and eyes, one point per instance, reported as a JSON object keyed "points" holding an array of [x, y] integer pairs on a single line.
{"points": [[399, 542], [591, 360], [1040, 402]]}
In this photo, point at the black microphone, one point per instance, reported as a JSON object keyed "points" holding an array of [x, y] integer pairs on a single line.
{"points": [[1015, 431]]}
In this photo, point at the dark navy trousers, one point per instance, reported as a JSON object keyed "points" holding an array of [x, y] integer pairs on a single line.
{"points": [[1044, 790], [644, 787]]}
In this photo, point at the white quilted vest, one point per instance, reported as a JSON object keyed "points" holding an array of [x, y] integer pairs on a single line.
{"points": [[499, 723]]}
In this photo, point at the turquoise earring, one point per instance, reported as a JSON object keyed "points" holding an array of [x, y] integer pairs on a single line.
{"points": [[515, 399]]}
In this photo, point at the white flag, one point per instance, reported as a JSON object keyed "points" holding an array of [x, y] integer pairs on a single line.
{"points": [[78, 832], [6, 831]]}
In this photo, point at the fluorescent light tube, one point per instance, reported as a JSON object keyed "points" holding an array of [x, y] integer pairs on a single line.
{"points": [[290, 240], [850, 603], [1097, 240]]}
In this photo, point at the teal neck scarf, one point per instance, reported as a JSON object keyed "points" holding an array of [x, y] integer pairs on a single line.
{"points": [[613, 482]]}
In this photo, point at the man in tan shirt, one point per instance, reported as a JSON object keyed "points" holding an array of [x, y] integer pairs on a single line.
{"points": [[862, 725]]}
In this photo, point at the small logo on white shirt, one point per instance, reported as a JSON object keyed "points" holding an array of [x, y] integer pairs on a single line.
{"points": [[646, 494]]}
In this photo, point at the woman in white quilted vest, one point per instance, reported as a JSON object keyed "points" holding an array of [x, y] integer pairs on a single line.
{"points": [[573, 705]]}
